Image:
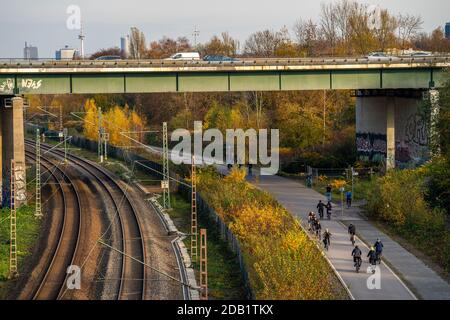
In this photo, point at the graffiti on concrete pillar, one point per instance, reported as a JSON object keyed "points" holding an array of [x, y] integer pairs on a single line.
{"points": [[416, 130], [371, 146], [21, 187]]}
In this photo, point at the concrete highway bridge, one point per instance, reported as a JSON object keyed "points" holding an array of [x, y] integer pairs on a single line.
{"points": [[388, 91]]}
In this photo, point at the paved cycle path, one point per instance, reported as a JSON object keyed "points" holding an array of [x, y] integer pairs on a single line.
{"points": [[299, 200]]}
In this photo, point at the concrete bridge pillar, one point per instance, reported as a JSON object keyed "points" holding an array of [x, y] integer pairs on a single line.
{"points": [[12, 148], [390, 128], [390, 134]]}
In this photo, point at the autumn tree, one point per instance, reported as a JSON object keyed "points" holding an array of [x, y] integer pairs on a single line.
{"points": [[307, 36], [385, 32], [263, 44], [166, 47], [138, 45], [224, 45], [90, 122], [114, 51], [408, 26], [362, 36]]}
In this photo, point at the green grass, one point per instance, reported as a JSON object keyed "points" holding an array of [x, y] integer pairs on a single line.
{"points": [[27, 234], [224, 276]]}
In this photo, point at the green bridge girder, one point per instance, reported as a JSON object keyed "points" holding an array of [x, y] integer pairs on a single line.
{"points": [[91, 78]]}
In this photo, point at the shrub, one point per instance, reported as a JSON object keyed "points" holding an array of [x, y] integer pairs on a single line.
{"points": [[398, 199]]}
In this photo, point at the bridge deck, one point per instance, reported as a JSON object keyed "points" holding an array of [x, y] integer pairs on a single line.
{"points": [[147, 76]]}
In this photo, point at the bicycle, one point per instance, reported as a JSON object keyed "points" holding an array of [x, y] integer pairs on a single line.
{"points": [[358, 264], [326, 243], [352, 239]]}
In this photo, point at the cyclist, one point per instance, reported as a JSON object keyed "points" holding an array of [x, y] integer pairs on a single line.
{"points": [[349, 199], [318, 229], [372, 255], [329, 209], [320, 207], [310, 220], [352, 232], [327, 238], [328, 193], [356, 254], [378, 249]]}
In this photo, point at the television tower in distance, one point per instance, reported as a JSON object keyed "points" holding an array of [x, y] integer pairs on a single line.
{"points": [[81, 37]]}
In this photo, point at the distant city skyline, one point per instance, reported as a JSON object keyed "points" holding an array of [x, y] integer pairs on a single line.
{"points": [[43, 23]]}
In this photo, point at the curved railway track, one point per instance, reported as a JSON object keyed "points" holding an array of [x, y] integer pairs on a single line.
{"points": [[132, 284], [52, 284]]}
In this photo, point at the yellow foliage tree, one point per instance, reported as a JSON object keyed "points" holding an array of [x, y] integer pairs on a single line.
{"points": [[117, 121], [90, 122]]}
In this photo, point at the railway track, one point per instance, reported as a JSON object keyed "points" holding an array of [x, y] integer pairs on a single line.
{"points": [[132, 283], [52, 283]]}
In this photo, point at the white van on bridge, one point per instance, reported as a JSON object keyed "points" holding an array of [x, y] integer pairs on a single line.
{"points": [[184, 56]]}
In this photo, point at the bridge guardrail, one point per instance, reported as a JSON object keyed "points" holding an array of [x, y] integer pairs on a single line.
{"points": [[24, 63]]}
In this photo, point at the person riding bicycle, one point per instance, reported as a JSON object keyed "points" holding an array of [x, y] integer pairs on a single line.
{"points": [[352, 229], [372, 255], [378, 248], [329, 208], [318, 228], [320, 207], [310, 220], [356, 254], [326, 238]]}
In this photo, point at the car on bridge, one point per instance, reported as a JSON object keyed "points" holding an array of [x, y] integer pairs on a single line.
{"points": [[109, 58], [184, 56], [420, 54], [380, 56], [218, 58]]}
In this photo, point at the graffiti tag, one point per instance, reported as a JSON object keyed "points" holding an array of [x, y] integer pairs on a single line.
{"points": [[19, 175], [416, 130], [31, 84], [7, 85], [370, 143]]}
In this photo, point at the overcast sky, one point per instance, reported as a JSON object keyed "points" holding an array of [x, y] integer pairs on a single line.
{"points": [[43, 22]]}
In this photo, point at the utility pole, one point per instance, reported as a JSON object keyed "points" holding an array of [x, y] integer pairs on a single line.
{"points": [[38, 211], [13, 270], [324, 115], [100, 134], [106, 139], [203, 265], [166, 174], [61, 126], [193, 212], [65, 144]]}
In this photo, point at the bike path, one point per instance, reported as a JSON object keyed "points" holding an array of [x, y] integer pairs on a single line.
{"points": [[299, 200]]}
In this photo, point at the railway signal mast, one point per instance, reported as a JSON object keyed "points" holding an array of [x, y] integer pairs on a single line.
{"points": [[38, 212], [165, 184], [100, 135], [193, 212], [13, 269], [203, 265]]}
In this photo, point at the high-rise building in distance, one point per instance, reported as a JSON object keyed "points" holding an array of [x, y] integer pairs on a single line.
{"points": [[30, 52], [125, 46], [447, 30]]}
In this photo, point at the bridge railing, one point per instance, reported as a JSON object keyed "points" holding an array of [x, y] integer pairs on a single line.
{"points": [[50, 62]]}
